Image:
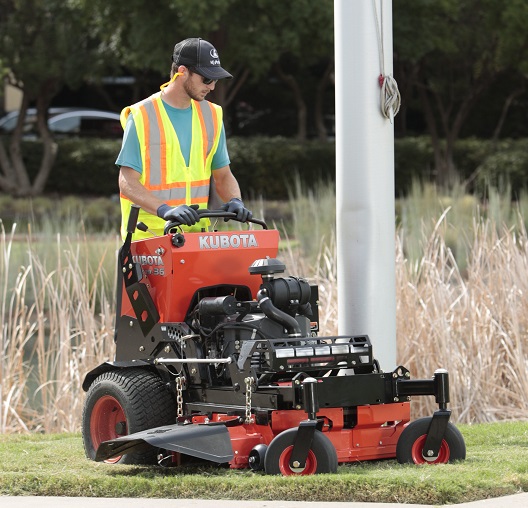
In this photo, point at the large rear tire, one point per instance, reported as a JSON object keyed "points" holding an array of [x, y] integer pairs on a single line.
{"points": [[123, 402], [322, 457], [410, 446]]}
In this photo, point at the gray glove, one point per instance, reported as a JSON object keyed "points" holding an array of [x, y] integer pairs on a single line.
{"points": [[235, 205], [183, 214]]}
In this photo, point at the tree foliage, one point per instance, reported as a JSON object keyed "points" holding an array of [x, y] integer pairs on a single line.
{"points": [[45, 45], [450, 53], [255, 39], [287, 43]]}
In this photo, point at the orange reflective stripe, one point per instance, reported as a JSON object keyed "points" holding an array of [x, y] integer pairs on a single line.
{"points": [[175, 201], [145, 175], [204, 132], [163, 143], [214, 119], [215, 122], [208, 115]]}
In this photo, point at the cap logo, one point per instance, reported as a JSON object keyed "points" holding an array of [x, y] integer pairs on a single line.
{"points": [[213, 53]]}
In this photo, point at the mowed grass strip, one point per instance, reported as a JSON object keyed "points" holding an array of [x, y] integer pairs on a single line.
{"points": [[55, 465]]}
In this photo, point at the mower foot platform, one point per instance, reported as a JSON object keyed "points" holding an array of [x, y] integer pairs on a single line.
{"points": [[209, 442]]}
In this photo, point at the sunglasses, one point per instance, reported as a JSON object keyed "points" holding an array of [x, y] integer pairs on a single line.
{"points": [[205, 81]]}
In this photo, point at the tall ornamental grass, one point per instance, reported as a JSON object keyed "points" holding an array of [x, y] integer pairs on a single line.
{"points": [[56, 317], [461, 286], [474, 324]]}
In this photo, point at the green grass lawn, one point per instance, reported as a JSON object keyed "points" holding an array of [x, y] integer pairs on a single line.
{"points": [[55, 465]]}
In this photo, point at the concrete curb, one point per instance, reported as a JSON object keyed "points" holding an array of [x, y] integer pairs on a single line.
{"points": [[514, 501]]}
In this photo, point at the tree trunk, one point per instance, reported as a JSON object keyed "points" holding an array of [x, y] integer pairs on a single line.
{"points": [[50, 146], [22, 184], [433, 132], [232, 86], [505, 108], [447, 172], [7, 174], [319, 101], [14, 178], [452, 116], [299, 101], [226, 90], [406, 80]]}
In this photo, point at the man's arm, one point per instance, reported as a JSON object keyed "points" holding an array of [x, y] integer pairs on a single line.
{"points": [[228, 189], [226, 184], [133, 189], [130, 186]]}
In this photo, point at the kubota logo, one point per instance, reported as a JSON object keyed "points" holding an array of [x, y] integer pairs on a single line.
{"points": [[227, 241], [148, 260]]}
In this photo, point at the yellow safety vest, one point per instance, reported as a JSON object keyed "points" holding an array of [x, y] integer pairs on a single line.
{"points": [[165, 173]]}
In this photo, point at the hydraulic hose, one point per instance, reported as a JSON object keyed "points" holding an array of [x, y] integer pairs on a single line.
{"points": [[277, 315]]}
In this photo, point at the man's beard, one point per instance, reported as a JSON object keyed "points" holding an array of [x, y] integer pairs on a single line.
{"points": [[192, 93]]}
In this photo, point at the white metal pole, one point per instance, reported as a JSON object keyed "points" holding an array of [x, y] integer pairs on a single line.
{"points": [[365, 177]]}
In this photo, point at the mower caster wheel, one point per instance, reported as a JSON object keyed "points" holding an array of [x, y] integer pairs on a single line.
{"points": [[410, 446], [256, 457], [322, 457]]}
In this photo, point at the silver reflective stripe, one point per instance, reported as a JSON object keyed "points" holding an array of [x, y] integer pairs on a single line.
{"points": [[179, 193], [207, 113], [154, 147], [199, 191], [169, 194]]}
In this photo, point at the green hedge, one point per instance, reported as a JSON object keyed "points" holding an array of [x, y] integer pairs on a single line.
{"points": [[505, 168], [83, 166], [268, 167], [75, 213]]}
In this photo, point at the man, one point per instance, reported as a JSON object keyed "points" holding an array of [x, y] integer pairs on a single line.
{"points": [[174, 151]]}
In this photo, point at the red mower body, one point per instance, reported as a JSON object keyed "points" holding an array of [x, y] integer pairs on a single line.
{"points": [[218, 357], [205, 260], [374, 436]]}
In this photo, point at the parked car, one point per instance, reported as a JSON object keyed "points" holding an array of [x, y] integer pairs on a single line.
{"points": [[68, 122]]}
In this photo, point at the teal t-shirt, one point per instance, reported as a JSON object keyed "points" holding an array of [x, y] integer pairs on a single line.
{"points": [[130, 154]]}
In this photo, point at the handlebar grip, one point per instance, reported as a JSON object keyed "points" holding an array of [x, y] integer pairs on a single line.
{"points": [[205, 213], [133, 218], [220, 213]]}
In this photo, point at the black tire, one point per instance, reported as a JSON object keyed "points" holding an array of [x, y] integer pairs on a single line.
{"points": [[322, 457], [123, 402], [409, 449]]}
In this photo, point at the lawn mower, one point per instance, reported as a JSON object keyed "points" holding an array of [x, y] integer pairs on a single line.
{"points": [[218, 358]]}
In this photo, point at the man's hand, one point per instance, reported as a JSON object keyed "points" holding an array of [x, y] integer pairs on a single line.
{"points": [[183, 214], [235, 205]]}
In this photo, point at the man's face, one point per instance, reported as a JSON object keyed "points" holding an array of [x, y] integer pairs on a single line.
{"points": [[195, 87]]}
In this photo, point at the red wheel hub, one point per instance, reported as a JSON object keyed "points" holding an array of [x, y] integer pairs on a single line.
{"points": [[418, 455], [286, 470], [106, 419]]}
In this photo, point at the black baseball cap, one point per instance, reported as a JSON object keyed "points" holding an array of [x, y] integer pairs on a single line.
{"points": [[200, 55]]}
